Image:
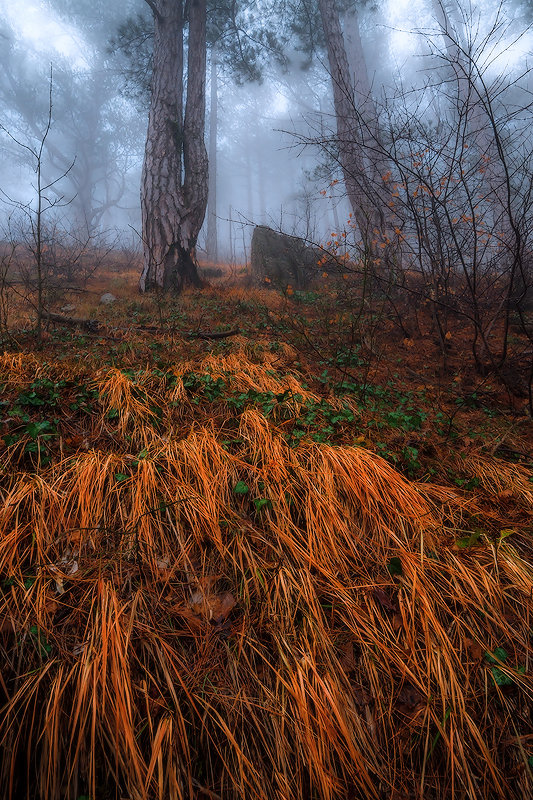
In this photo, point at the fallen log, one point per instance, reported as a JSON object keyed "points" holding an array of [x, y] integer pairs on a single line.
{"points": [[92, 326], [190, 334], [208, 335]]}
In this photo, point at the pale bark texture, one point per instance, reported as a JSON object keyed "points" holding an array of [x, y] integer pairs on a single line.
{"points": [[175, 170], [363, 186]]}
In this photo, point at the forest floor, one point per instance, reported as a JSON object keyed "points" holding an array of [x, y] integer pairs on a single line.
{"points": [[293, 562]]}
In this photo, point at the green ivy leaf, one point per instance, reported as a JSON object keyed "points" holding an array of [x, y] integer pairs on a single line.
{"points": [[500, 678], [262, 502], [497, 655], [395, 566], [241, 488], [469, 541]]}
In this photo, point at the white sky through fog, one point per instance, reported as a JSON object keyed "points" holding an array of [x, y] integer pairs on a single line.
{"points": [[406, 17], [46, 33], [41, 28]]}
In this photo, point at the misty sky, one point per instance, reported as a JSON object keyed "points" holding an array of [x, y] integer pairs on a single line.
{"points": [[262, 176]]}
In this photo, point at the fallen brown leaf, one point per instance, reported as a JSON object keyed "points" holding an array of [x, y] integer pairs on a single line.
{"points": [[383, 599]]}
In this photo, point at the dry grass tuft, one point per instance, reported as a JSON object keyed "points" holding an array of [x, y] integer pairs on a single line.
{"points": [[499, 479], [15, 367], [244, 374], [252, 620]]}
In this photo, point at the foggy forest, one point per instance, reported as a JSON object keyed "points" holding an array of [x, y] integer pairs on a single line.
{"points": [[266, 399]]}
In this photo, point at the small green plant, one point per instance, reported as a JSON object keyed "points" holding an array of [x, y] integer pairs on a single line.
{"points": [[499, 656], [35, 435], [262, 503], [471, 540], [395, 566], [42, 392], [39, 639], [410, 460], [346, 357], [209, 388], [465, 483], [305, 297]]}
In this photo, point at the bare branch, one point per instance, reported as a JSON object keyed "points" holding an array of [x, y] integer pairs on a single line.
{"points": [[154, 8]]}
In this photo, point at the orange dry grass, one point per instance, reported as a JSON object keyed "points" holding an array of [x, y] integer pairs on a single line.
{"points": [[498, 478], [163, 638], [244, 374], [15, 367], [265, 297]]}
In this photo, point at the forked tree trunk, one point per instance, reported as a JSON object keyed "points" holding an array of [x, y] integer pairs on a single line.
{"points": [[175, 171]]}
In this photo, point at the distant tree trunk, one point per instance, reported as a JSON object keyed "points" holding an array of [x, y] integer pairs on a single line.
{"points": [[369, 130], [370, 213], [475, 107], [249, 178], [471, 103], [261, 192], [175, 170], [212, 238], [335, 215], [230, 224]]}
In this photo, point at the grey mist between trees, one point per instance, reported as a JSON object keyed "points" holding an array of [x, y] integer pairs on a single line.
{"points": [[181, 126]]}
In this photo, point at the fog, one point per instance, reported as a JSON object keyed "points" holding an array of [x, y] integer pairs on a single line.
{"points": [[271, 165]]}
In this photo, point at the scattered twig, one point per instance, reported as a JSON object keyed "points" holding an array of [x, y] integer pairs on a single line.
{"points": [[90, 325], [93, 325], [210, 335]]}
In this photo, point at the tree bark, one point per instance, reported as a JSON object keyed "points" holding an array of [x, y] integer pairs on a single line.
{"points": [[231, 245], [369, 129], [175, 169], [370, 213], [212, 237]]}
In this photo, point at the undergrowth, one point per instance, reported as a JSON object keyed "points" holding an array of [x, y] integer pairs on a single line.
{"points": [[214, 586]]}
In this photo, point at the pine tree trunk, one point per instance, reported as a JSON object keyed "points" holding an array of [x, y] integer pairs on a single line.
{"points": [[212, 238], [194, 151], [368, 209], [261, 192], [174, 180], [370, 133], [249, 177], [231, 246]]}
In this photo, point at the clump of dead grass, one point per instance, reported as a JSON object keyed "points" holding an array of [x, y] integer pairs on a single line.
{"points": [[15, 367], [244, 374], [256, 621], [498, 478]]}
